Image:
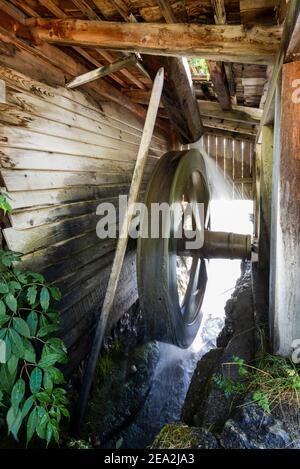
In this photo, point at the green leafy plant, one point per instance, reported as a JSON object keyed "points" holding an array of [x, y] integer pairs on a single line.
{"points": [[4, 204], [30, 395], [272, 381], [229, 386]]}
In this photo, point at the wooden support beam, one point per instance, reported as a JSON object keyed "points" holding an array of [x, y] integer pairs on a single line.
{"points": [[265, 181], [213, 110], [245, 114], [178, 97], [167, 11], [92, 15], [219, 11], [227, 134], [122, 242], [286, 318], [219, 80], [220, 75], [62, 62], [290, 25], [2, 92], [257, 45], [102, 71], [229, 126]]}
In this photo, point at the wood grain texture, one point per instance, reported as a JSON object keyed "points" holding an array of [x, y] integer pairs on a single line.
{"points": [[223, 43]]}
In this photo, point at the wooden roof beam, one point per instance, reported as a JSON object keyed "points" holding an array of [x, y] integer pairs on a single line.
{"points": [[219, 80], [218, 74], [178, 96], [257, 45], [92, 15]]}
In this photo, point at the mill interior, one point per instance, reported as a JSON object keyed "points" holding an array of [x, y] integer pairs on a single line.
{"points": [[79, 84]]}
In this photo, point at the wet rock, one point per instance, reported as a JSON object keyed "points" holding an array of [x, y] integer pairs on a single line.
{"points": [[200, 386], [251, 428], [206, 405], [121, 386], [180, 436]]}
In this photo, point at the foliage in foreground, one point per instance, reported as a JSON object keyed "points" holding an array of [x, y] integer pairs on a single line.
{"points": [[272, 381], [30, 397]]}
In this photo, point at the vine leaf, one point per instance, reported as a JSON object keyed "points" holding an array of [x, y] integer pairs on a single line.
{"points": [[21, 327], [32, 321], [31, 425], [45, 298], [18, 393], [17, 343], [31, 294], [11, 302], [35, 380]]}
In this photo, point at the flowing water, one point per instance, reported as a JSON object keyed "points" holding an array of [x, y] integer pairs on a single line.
{"points": [[175, 367]]}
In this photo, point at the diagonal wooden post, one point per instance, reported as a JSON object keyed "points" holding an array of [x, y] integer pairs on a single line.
{"points": [[122, 243]]}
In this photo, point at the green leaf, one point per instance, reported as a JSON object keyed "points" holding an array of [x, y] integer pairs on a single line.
{"points": [[13, 285], [14, 420], [47, 330], [8, 348], [56, 295], [6, 379], [27, 406], [12, 364], [45, 298], [36, 276], [65, 412], [31, 424], [2, 308], [21, 326], [43, 397], [29, 352], [4, 287], [49, 360], [16, 342], [35, 380], [31, 295], [48, 383], [43, 420], [11, 302], [21, 277], [56, 375], [56, 344], [32, 321], [18, 393], [4, 319], [49, 433]]}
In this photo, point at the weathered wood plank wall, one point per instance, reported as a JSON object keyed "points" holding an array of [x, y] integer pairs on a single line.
{"points": [[61, 154], [234, 158]]}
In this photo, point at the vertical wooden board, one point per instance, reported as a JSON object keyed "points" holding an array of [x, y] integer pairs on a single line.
{"points": [[247, 160], [287, 321], [229, 159]]}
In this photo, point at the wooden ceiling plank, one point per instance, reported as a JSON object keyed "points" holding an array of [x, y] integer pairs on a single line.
{"points": [[232, 43], [166, 11], [12, 11], [92, 15], [26, 8]]}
